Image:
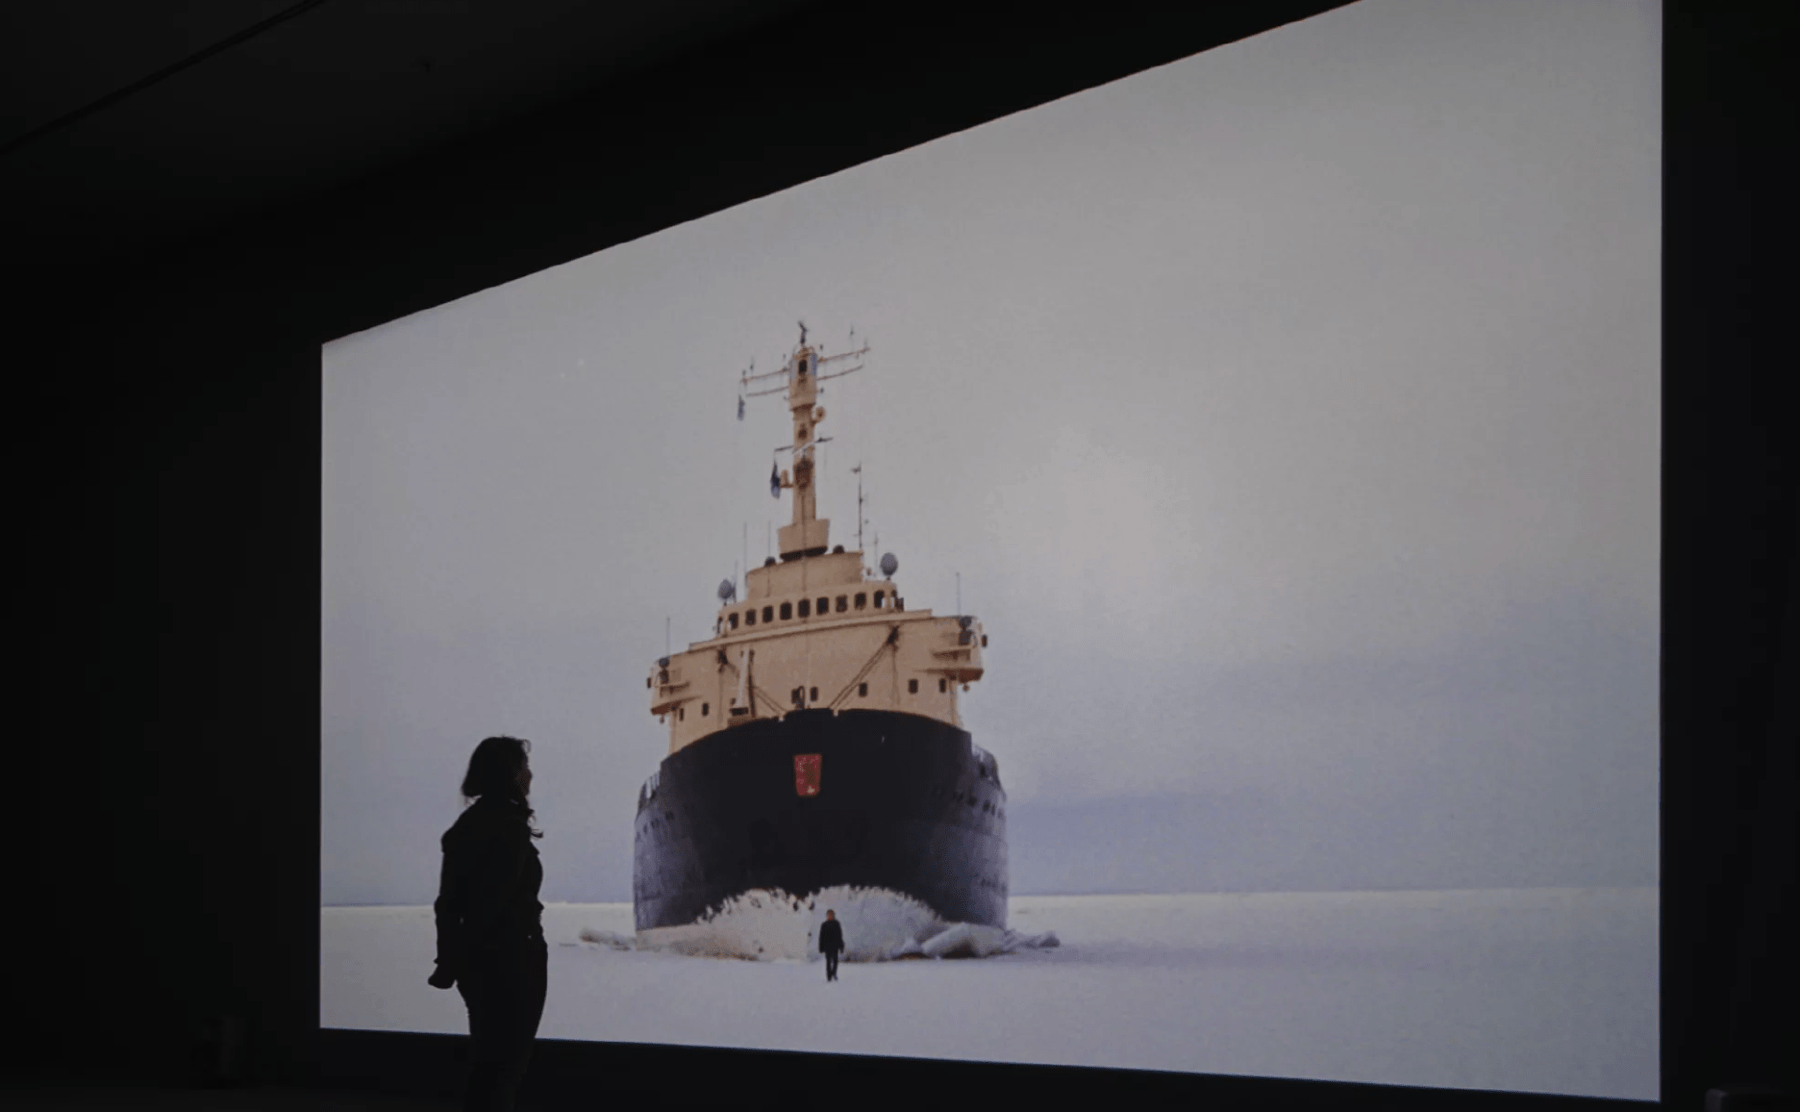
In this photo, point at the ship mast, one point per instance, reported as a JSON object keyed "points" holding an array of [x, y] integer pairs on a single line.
{"points": [[808, 534], [859, 506]]}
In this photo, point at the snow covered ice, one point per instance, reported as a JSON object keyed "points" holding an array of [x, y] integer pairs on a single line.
{"points": [[1533, 990], [775, 926]]}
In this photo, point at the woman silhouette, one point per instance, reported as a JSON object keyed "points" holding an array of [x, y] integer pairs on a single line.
{"points": [[489, 921]]}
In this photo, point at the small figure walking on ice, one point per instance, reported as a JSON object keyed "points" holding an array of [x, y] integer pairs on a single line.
{"points": [[831, 940]]}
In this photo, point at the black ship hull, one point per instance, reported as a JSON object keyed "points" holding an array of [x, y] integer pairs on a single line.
{"points": [[894, 802]]}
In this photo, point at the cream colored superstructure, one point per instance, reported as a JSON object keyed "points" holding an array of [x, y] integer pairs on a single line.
{"points": [[816, 628]]}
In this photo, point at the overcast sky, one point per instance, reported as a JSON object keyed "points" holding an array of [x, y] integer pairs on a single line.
{"points": [[1291, 413]]}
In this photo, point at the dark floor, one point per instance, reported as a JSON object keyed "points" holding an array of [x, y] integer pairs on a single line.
{"points": [[77, 1099]]}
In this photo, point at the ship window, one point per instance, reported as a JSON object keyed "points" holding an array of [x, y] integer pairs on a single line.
{"points": [[843, 603], [824, 606], [806, 608], [750, 617], [912, 687], [862, 689], [879, 595], [941, 685], [705, 709], [787, 611], [733, 621], [681, 714], [862, 601], [768, 613], [813, 694]]}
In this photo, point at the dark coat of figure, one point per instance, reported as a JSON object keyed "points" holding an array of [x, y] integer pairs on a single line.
{"points": [[489, 922], [831, 942]]}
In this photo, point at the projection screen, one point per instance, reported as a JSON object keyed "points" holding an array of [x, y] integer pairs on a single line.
{"points": [[1285, 422]]}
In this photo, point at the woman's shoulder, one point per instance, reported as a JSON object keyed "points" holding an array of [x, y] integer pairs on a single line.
{"points": [[481, 822]]}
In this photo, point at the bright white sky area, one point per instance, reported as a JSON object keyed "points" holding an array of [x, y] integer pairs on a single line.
{"points": [[1290, 413]]}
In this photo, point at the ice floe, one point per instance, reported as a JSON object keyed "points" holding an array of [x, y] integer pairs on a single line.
{"points": [[879, 925]]}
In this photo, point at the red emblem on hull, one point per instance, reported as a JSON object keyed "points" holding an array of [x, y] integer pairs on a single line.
{"points": [[806, 773]]}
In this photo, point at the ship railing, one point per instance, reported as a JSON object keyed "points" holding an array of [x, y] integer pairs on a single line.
{"points": [[990, 768]]}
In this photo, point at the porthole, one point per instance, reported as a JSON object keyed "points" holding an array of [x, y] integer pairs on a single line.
{"points": [[806, 608], [912, 687], [768, 613], [787, 611], [862, 689], [705, 709], [824, 606]]}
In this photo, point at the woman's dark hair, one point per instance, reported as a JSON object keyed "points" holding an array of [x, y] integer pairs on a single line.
{"points": [[494, 774]]}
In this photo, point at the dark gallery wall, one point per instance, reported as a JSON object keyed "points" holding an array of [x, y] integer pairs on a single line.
{"points": [[1730, 555], [169, 473]]}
